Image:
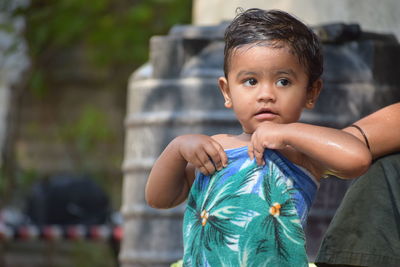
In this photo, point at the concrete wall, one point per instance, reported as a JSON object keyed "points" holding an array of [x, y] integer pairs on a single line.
{"points": [[378, 16]]}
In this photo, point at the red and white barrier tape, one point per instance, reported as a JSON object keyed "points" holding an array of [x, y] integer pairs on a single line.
{"points": [[58, 232]]}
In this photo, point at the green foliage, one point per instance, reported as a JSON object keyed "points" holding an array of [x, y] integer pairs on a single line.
{"points": [[6, 27], [24, 179], [88, 254], [89, 129], [38, 86], [3, 179], [93, 45], [113, 32]]}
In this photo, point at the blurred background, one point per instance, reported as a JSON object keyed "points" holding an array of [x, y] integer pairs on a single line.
{"points": [[64, 68], [92, 91]]}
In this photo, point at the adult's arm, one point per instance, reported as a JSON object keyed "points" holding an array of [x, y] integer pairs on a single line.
{"points": [[382, 129]]}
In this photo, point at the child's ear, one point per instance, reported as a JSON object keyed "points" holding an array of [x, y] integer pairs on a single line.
{"points": [[313, 93], [224, 87]]}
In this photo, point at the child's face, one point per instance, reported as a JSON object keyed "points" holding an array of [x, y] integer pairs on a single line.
{"points": [[267, 84]]}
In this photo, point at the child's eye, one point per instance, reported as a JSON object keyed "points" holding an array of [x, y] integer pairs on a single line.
{"points": [[283, 82], [250, 82]]}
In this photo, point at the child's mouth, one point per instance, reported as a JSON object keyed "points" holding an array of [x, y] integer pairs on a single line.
{"points": [[265, 114]]}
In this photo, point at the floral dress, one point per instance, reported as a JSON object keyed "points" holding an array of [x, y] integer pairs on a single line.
{"points": [[248, 215]]}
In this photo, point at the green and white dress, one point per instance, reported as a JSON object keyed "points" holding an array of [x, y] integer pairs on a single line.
{"points": [[248, 215]]}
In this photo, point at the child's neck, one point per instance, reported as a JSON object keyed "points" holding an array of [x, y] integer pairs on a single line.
{"points": [[229, 141]]}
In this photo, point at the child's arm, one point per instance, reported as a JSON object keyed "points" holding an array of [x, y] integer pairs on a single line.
{"points": [[173, 173], [330, 151]]}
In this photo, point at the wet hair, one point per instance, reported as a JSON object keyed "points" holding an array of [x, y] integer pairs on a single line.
{"points": [[274, 28]]}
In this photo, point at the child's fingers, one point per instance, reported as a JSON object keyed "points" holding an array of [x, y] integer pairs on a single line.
{"points": [[204, 169], [199, 160], [213, 155], [259, 153], [257, 150], [218, 156], [205, 165], [250, 151]]}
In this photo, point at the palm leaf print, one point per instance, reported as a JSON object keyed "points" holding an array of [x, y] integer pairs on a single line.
{"points": [[245, 215], [217, 215], [282, 223]]}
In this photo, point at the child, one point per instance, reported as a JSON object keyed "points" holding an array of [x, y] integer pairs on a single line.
{"points": [[248, 203]]}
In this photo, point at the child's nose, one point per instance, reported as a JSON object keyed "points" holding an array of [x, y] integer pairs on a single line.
{"points": [[266, 93]]}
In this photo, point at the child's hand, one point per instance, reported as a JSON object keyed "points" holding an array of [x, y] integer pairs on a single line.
{"points": [[203, 152], [267, 135]]}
